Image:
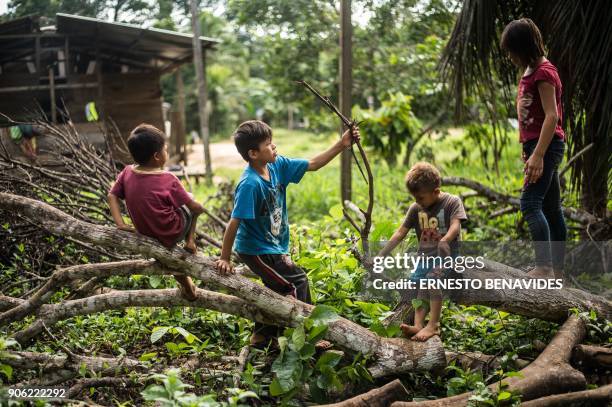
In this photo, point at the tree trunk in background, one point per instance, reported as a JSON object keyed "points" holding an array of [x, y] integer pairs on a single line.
{"points": [[181, 140], [199, 62], [290, 124], [346, 66]]}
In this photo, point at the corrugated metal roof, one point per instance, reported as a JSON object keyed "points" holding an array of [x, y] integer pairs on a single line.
{"points": [[22, 25], [125, 43], [128, 41]]}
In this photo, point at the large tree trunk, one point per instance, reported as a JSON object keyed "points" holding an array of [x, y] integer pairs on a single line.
{"points": [[549, 374], [550, 305], [391, 355]]}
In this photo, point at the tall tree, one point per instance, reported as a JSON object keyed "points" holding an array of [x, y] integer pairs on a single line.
{"points": [[198, 60]]}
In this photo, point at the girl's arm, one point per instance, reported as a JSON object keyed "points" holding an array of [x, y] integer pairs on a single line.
{"points": [[535, 164]]}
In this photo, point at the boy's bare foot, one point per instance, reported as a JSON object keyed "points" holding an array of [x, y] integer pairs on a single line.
{"points": [[323, 345], [541, 272], [426, 333], [191, 247], [410, 330], [186, 288]]}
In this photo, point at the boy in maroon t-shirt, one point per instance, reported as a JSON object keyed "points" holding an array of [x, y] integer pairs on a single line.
{"points": [[157, 203]]}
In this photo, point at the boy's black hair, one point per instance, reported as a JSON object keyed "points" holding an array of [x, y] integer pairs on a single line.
{"points": [[144, 141], [523, 38], [249, 135]]}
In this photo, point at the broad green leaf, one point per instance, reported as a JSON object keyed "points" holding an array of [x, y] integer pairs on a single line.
{"points": [[504, 395], [155, 281], [158, 332], [147, 356], [275, 388], [323, 315], [298, 338], [329, 359]]}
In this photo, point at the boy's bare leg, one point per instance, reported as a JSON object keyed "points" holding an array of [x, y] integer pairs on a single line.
{"points": [[190, 244], [187, 288], [419, 320], [433, 326]]}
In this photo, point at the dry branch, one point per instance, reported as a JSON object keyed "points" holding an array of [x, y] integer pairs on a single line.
{"points": [[379, 397], [577, 215], [58, 369], [60, 277]]}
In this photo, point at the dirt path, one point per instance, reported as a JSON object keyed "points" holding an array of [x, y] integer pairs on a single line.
{"points": [[223, 155]]}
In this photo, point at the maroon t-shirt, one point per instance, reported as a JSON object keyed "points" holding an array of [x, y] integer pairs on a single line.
{"points": [[529, 105], [152, 200]]}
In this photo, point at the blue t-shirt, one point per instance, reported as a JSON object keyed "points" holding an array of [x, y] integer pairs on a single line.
{"points": [[261, 207]]}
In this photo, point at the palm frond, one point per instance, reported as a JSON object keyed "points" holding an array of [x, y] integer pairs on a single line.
{"points": [[578, 35]]}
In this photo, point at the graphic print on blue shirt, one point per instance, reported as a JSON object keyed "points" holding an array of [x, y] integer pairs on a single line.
{"points": [[262, 208]]}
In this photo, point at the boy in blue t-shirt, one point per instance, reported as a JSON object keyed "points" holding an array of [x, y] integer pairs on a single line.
{"points": [[258, 229]]}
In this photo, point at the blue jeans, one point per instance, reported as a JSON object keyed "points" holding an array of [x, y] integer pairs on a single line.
{"points": [[541, 207]]}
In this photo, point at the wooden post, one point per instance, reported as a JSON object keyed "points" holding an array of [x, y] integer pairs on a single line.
{"points": [[52, 95], [181, 139], [199, 62], [345, 92]]}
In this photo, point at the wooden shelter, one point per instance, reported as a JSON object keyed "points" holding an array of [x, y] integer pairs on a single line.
{"points": [[78, 60]]}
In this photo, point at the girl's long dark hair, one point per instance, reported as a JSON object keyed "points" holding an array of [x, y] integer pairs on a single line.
{"points": [[523, 38]]}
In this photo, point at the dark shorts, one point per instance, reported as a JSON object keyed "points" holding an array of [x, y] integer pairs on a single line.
{"points": [[280, 274], [187, 222]]}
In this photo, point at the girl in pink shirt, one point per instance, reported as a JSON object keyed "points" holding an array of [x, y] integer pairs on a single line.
{"points": [[540, 113]]}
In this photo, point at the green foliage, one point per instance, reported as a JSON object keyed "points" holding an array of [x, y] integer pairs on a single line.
{"points": [[468, 380], [297, 363], [172, 392], [391, 128], [489, 141], [5, 369]]}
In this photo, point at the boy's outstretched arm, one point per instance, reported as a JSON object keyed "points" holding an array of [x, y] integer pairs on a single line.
{"points": [[115, 208], [320, 160], [396, 239], [224, 264]]}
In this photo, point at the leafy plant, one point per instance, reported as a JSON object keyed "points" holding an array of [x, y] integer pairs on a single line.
{"points": [[391, 128], [172, 392], [297, 364], [5, 369]]}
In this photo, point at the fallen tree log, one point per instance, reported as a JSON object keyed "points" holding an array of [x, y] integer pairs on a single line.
{"points": [[58, 369], [549, 374], [379, 397], [592, 356], [550, 304], [391, 355], [81, 271], [601, 396], [50, 314]]}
